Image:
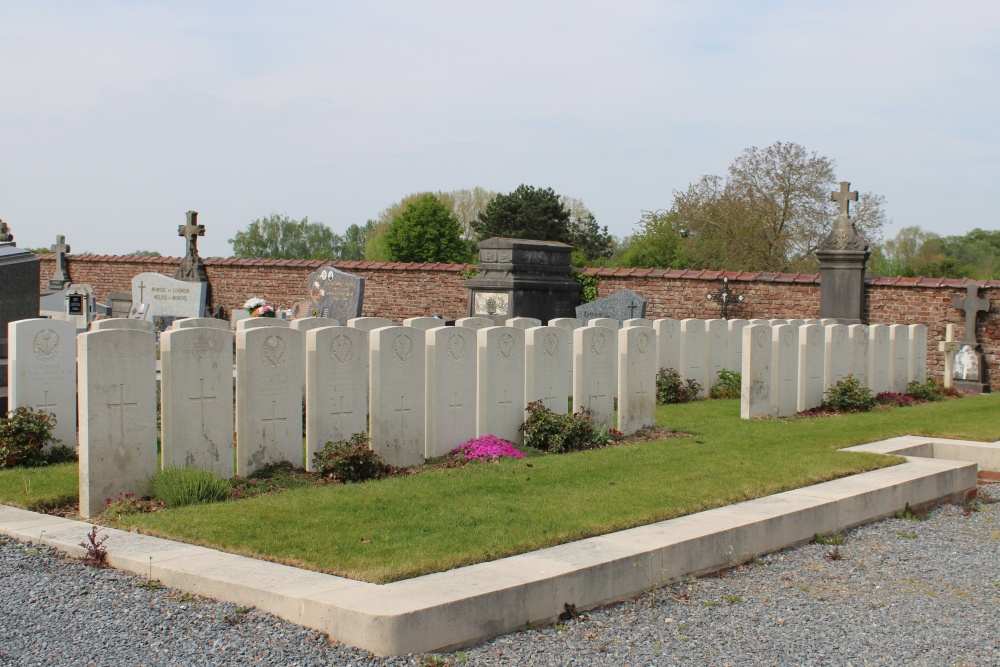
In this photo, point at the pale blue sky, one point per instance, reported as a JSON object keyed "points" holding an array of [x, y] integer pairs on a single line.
{"points": [[117, 117]]}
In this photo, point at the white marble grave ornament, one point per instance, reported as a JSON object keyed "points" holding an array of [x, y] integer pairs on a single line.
{"points": [[397, 383], [594, 373], [755, 391], [117, 402], [196, 395], [500, 377], [548, 360], [451, 389], [636, 379], [42, 371], [268, 398], [336, 386]]}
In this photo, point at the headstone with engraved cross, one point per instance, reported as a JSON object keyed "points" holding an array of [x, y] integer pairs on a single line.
{"points": [[117, 402], [548, 358], [451, 389], [594, 373], [196, 392], [60, 277], [42, 371], [636, 379], [755, 389], [192, 269], [398, 362], [949, 346], [500, 377], [811, 366], [784, 370], [336, 386], [970, 372]]}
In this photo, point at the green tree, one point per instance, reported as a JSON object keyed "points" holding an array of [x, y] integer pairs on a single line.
{"points": [[525, 213], [280, 237], [657, 243], [589, 240], [426, 231]]}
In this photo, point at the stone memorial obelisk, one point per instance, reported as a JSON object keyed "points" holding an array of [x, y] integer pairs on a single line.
{"points": [[842, 256]]}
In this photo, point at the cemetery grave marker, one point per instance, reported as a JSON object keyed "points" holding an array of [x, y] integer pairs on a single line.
{"points": [[451, 389], [811, 367], [167, 296], [879, 353], [917, 370], [693, 353], [335, 294], [43, 371], [500, 392], [668, 344], [620, 306], [523, 322], [755, 391], [969, 363], [858, 354], [197, 322], [636, 379], [336, 383], [594, 378], [548, 364], [424, 323], [397, 360], [785, 370], [474, 323], [837, 354], [716, 349], [899, 362], [734, 362]]}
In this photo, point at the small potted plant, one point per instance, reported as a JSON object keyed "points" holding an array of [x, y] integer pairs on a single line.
{"points": [[257, 307]]}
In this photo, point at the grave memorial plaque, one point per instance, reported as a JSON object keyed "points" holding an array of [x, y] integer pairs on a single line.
{"points": [[621, 306], [169, 297], [335, 294]]}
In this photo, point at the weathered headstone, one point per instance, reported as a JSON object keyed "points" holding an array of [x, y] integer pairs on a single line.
{"points": [[949, 346], [196, 395], [167, 296], [475, 323], [500, 374], [785, 370], [837, 354], [116, 323], [305, 324], [571, 324], [614, 325], [692, 353], [775, 323], [620, 306], [811, 367], [397, 359], [917, 371], [899, 362], [548, 360], [755, 391], [636, 379], [117, 399], [594, 381], [199, 322], [336, 386], [735, 358], [716, 349], [43, 371], [858, 354], [424, 323], [268, 397], [668, 344], [451, 389], [759, 321], [523, 322], [335, 294], [879, 353]]}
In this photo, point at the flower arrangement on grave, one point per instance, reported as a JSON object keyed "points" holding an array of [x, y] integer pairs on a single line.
{"points": [[487, 448], [257, 307]]}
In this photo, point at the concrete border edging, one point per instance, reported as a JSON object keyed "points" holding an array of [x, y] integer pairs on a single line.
{"points": [[469, 604]]}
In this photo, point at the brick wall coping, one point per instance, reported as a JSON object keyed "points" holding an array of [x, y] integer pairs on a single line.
{"points": [[290, 263]]}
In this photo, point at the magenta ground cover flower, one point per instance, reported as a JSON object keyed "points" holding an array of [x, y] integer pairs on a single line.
{"points": [[487, 447]]}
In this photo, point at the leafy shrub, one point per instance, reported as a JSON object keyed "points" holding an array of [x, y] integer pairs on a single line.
{"points": [[61, 454], [351, 460], [849, 396], [671, 388], [557, 433], [124, 504], [730, 385], [487, 448], [604, 436], [177, 487], [23, 436], [892, 398], [928, 391]]}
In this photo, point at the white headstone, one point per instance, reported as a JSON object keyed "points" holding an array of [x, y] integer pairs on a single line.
{"points": [[668, 344], [811, 367], [735, 360], [500, 374], [858, 353], [755, 391], [475, 323], [918, 354], [424, 323], [836, 364], [775, 323], [814, 321], [899, 364], [523, 322], [261, 322], [196, 397], [42, 371], [785, 369], [594, 378], [614, 325], [609, 322], [368, 323], [570, 323], [692, 353], [193, 322], [451, 389], [797, 323], [398, 384], [637, 322], [269, 381], [636, 378], [169, 296], [829, 321], [879, 353], [548, 359], [336, 386], [716, 349], [760, 321], [117, 398], [305, 324], [119, 323]]}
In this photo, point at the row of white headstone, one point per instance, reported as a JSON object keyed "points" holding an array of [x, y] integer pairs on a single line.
{"points": [[788, 368]]}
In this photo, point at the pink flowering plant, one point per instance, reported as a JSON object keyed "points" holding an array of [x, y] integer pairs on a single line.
{"points": [[487, 448], [257, 307]]}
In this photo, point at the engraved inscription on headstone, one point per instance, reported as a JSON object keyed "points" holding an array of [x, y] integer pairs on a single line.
{"points": [[335, 294]]}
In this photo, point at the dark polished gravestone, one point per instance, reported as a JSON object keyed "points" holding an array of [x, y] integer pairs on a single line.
{"points": [[842, 256], [20, 273], [621, 306], [335, 294], [523, 278]]}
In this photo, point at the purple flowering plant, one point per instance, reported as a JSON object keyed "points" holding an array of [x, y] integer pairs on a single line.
{"points": [[487, 448]]}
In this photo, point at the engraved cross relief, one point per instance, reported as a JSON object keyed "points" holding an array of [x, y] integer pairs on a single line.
{"points": [[551, 397], [201, 398], [45, 405], [273, 421], [844, 196], [596, 395], [402, 410], [122, 404], [456, 409], [339, 411], [506, 403]]}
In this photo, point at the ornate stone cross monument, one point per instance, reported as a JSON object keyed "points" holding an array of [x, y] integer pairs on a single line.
{"points": [[192, 269], [842, 258], [969, 371], [59, 278]]}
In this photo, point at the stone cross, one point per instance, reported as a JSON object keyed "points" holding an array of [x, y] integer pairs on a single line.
{"points": [[972, 304], [949, 346], [845, 196], [191, 231], [59, 278]]}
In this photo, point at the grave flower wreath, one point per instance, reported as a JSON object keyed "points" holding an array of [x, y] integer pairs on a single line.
{"points": [[257, 307]]}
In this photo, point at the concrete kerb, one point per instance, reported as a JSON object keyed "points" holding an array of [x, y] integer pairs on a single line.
{"points": [[466, 605]]}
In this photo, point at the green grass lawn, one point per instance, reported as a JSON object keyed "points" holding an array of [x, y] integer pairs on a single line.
{"points": [[403, 527]]}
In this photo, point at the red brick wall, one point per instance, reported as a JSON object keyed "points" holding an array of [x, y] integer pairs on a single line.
{"points": [[397, 291]]}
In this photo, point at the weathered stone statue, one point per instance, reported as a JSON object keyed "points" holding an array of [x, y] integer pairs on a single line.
{"points": [[843, 255]]}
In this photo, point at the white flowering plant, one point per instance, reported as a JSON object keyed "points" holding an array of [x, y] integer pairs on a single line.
{"points": [[257, 307]]}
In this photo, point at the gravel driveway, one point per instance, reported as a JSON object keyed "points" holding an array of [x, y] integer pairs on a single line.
{"points": [[898, 592]]}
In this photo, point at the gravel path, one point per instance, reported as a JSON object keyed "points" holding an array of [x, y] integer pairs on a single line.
{"points": [[902, 592]]}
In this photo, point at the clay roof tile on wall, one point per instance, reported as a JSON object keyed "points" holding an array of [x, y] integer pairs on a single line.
{"points": [[766, 277]]}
